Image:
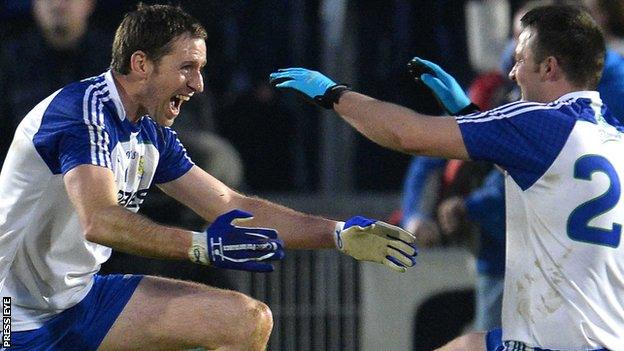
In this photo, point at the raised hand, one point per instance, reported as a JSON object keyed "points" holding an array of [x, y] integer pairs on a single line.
{"points": [[226, 245], [443, 86], [311, 85], [370, 240]]}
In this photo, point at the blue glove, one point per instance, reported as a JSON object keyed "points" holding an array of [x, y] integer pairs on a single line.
{"points": [[370, 240], [443, 86], [311, 85], [232, 247]]}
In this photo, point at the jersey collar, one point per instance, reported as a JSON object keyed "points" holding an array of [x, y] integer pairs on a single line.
{"points": [[114, 95], [593, 95]]}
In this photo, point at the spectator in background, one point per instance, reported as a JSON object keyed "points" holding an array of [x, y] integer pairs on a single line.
{"points": [[485, 207], [609, 15], [47, 56], [62, 48]]}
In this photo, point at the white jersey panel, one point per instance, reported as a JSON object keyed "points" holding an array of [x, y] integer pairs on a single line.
{"points": [[560, 292]]}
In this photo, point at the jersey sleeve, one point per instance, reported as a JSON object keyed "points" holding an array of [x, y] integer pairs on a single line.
{"points": [[71, 135], [523, 138], [174, 162]]}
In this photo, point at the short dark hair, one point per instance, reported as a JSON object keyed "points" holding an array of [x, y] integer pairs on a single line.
{"points": [[151, 29], [570, 34]]}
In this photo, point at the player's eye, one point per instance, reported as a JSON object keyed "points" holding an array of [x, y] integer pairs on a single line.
{"points": [[186, 68]]}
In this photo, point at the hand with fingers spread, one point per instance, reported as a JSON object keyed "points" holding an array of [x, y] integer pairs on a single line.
{"points": [[370, 240], [311, 85], [443, 86], [226, 245]]}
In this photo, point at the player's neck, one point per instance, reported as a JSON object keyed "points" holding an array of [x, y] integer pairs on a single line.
{"points": [[129, 95], [560, 89]]}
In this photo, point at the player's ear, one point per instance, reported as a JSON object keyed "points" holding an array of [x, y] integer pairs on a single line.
{"points": [[550, 68], [140, 64]]}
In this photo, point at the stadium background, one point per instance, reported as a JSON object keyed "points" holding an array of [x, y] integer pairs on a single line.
{"points": [[309, 159]]}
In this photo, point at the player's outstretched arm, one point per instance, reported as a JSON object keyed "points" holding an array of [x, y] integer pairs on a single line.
{"points": [[224, 244], [362, 238], [387, 124]]}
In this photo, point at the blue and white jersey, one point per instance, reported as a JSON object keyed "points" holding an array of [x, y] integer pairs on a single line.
{"points": [[46, 264], [564, 280]]}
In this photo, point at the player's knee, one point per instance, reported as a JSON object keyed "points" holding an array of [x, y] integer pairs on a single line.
{"points": [[251, 321], [258, 318]]}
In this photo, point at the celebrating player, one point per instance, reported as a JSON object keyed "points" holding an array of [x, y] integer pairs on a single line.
{"points": [[562, 153], [79, 168]]}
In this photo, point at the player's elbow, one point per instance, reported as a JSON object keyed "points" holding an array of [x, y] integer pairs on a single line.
{"points": [[97, 227], [92, 231]]}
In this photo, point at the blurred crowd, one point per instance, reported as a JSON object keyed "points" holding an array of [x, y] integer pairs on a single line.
{"points": [[46, 44]]}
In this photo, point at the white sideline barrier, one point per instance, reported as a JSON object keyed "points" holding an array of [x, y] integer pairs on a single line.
{"points": [[389, 300]]}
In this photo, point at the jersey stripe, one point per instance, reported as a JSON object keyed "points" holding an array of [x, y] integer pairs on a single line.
{"points": [[93, 117], [512, 111], [106, 141]]}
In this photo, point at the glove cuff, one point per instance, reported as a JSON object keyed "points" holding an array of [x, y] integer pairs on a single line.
{"points": [[472, 107], [337, 235], [198, 252], [332, 96]]}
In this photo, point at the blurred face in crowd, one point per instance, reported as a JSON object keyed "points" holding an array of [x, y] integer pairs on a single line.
{"points": [[174, 79], [63, 22], [526, 72], [598, 13]]}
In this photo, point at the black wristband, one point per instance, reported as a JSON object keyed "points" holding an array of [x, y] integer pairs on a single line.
{"points": [[331, 96], [467, 110]]}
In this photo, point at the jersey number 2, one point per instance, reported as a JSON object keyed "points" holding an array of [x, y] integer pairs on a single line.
{"points": [[578, 222]]}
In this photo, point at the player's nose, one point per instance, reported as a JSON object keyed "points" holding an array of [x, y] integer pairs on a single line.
{"points": [[196, 82], [512, 74]]}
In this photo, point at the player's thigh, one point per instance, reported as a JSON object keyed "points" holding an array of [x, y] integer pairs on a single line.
{"points": [[467, 342], [165, 313]]}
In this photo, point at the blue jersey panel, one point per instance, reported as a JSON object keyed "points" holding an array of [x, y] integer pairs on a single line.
{"points": [[74, 127], [81, 126], [174, 161], [523, 137]]}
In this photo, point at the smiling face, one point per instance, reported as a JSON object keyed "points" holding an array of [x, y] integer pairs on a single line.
{"points": [[526, 72], [174, 79]]}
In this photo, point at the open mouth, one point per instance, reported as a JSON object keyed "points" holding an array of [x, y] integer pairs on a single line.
{"points": [[176, 102]]}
